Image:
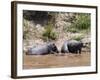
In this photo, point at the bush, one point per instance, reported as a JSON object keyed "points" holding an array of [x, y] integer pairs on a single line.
{"points": [[82, 22], [26, 31], [29, 32], [78, 38], [73, 30], [49, 34]]}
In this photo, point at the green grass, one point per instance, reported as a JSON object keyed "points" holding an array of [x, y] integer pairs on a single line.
{"points": [[49, 34], [81, 23], [78, 38], [73, 30]]}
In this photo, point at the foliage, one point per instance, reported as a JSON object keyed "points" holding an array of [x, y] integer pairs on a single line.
{"points": [[49, 34], [29, 31], [78, 38], [26, 31], [82, 22], [73, 30]]}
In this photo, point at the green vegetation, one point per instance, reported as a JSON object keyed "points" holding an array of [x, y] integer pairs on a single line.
{"points": [[29, 32], [81, 23], [78, 38], [54, 24], [26, 31], [72, 29], [49, 34]]}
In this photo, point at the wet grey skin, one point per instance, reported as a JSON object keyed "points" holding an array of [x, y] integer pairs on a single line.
{"points": [[72, 46], [49, 48]]}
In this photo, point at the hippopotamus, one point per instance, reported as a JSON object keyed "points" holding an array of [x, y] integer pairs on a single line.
{"points": [[72, 46], [49, 48]]}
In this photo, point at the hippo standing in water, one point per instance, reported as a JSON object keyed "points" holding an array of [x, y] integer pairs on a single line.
{"points": [[43, 49], [72, 46]]}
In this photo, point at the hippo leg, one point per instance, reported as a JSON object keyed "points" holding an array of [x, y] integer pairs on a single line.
{"points": [[76, 51], [79, 51], [62, 51], [52, 52]]}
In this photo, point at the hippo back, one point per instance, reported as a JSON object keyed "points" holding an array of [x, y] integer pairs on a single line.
{"points": [[43, 49], [39, 50]]}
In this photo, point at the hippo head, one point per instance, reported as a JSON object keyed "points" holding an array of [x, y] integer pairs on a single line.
{"points": [[52, 48], [86, 44]]}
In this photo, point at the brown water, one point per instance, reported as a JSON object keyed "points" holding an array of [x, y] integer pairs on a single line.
{"points": [[56, 61]]}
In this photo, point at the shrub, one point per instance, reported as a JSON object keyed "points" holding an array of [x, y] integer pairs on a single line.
{"points": [[29, 32], [26, 31], [73, 30], [49, 34], [82, 22], [78, 38]]}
